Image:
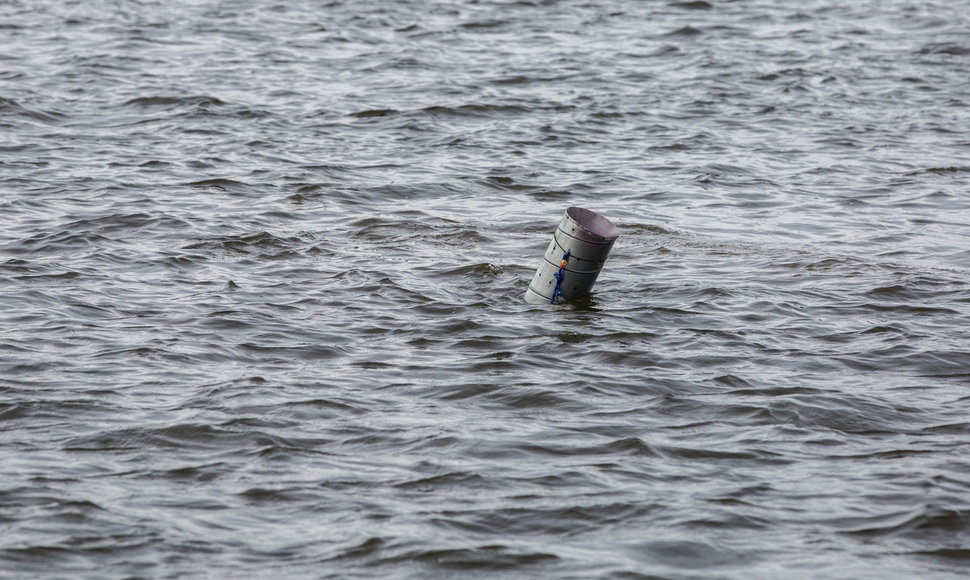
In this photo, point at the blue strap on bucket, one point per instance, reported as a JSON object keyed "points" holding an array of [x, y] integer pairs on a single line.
{"points": [[557, 292]]}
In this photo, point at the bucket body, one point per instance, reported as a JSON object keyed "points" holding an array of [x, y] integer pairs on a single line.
{"points": [[575, 256]]}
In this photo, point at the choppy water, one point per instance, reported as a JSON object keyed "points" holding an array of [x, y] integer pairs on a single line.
{"points": [[262, 267]]}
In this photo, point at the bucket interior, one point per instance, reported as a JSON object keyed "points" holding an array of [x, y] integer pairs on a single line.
{"points": [[593, 223]]}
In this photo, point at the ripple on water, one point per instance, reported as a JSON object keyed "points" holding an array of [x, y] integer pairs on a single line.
{"points": [[262, 272]]}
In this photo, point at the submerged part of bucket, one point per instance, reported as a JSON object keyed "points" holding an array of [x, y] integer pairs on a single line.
{"points": [[574, 258]]}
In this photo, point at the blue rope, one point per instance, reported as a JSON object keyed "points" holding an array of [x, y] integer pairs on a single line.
{"points": [[557, 292]]}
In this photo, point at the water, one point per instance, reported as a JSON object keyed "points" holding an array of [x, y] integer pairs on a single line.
{"points": [[262, 267]]}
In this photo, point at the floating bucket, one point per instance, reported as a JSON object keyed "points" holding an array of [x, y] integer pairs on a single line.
{"points": [[574, 258]]}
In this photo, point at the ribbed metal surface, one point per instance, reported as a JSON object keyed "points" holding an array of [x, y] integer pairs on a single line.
{"points": [[587, 237]]}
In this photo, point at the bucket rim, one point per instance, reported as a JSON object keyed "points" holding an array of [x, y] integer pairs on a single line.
{"points": [[593, 224]]}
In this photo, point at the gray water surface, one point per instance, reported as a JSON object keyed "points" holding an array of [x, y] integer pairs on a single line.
{"points": [[262, 267]]}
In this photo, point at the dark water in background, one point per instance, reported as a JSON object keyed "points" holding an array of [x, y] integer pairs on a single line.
{"points": [[261, 269]]}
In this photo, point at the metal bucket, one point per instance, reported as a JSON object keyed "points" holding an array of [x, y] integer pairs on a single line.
{"points": [[574, 258]]}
